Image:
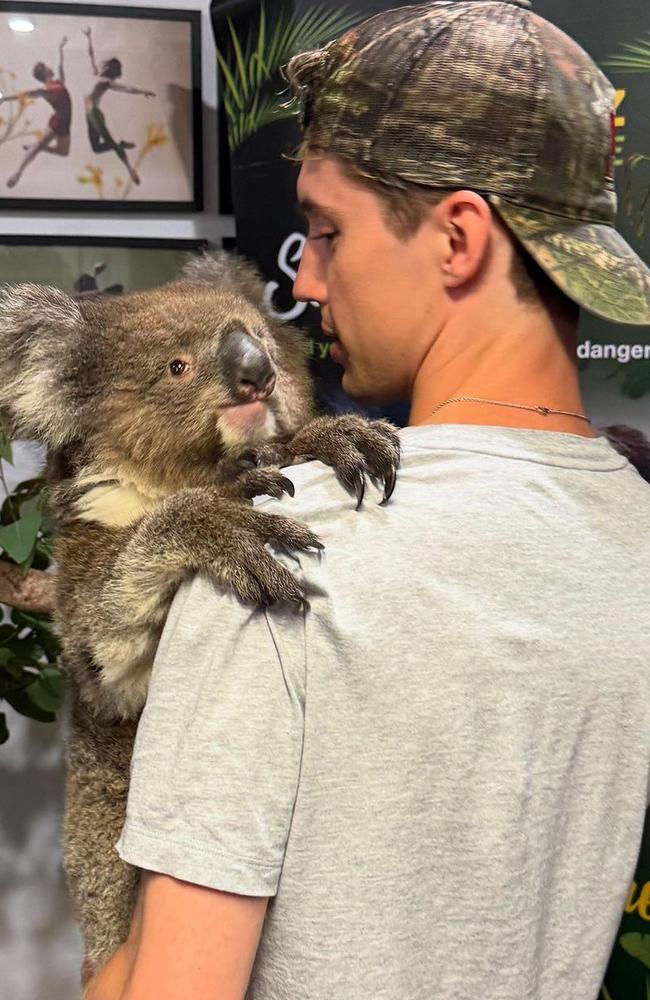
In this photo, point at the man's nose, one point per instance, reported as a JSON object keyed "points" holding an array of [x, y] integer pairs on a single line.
{"points": [[247, 367], [309, 286]]}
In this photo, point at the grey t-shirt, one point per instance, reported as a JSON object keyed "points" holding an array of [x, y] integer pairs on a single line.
{"points": [[440, 769]]}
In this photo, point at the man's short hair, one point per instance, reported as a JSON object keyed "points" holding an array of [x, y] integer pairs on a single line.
{"points": [[405, 205]]}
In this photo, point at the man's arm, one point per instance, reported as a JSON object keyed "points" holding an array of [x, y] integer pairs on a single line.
{"points": [[185, 941]]}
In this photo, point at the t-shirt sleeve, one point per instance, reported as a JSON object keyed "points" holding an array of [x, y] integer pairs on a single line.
{"points": [[217, 756]]}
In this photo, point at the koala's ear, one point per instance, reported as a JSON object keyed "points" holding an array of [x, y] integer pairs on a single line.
{"points": [[226, 270], [38, 330]]}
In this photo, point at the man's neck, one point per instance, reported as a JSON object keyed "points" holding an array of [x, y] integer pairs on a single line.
{"points": [[530, 361]]}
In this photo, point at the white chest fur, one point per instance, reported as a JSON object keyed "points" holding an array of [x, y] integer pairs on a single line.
{"points": [[114, 504]]}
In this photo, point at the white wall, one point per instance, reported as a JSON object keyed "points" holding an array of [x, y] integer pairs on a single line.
{"points": [[40, 951]]}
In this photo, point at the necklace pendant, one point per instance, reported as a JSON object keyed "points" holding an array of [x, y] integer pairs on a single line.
{"points": [[544, 410]]}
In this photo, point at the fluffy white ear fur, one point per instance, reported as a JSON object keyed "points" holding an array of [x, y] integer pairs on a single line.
{"points": [[37, 327]]}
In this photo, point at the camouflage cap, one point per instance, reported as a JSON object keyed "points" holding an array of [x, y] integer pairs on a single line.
{"points": [[486, 95]]}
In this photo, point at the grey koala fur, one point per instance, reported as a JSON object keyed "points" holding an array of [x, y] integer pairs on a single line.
{"points": [[148, 488]]}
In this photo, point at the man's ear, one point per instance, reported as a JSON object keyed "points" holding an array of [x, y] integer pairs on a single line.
{"points": [[39, 330], [227, 270], [467, 221]]}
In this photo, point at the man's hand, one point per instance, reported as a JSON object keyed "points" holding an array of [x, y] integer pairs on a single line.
{"points": [[185, 941]]}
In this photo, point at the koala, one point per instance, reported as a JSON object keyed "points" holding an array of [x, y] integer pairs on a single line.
{"points": [[163, 413]]}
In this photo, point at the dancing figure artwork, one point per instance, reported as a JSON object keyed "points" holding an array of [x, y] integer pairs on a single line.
{"points": [[56, 139], [99, 135]]}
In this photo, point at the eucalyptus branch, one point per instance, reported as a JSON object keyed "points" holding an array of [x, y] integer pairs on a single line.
{"points": [[31, 591]]}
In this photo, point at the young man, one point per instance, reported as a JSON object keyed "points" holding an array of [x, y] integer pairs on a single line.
{"points": [[430, 783], [56, 139]]}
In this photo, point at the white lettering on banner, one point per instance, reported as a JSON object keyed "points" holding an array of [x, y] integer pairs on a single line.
{"points": [[616, 352], [290, 253]]}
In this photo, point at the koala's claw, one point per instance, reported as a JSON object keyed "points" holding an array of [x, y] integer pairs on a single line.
{"points": [[355, 448], [264, 482], [389, 487], [254, 481], [288, 486], [360, 487]]}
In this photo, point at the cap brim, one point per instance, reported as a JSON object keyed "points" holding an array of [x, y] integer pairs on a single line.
{"points": [[589, 261]]}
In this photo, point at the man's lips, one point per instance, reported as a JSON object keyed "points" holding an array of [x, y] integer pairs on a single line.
{"points": [[338, 353]]}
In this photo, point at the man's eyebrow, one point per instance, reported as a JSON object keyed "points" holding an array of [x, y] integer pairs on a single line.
{"points": [[307, 205]]}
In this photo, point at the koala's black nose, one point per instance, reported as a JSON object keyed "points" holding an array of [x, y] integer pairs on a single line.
{"points": [[247, 368]]}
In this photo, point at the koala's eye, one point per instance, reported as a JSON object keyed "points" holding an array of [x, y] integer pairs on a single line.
{"points": [[178, 367]]}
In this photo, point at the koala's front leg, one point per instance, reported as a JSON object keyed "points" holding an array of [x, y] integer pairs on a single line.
{"points": [[354, 447], [195, 530]]}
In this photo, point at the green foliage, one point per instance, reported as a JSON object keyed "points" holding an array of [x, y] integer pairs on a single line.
{"points": [[635, 57], [638, 946], [30, 679], [249, 71]]}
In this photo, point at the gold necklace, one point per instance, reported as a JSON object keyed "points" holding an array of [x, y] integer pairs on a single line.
{"points": [[543, 410]]}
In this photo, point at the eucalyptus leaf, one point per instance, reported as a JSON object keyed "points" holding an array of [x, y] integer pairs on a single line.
{"points": [[638, 946], [28, 649], [636, 380], [7, 632], [41, 629], [18, 539], [14, 669], [20, 701], [48, 690]]}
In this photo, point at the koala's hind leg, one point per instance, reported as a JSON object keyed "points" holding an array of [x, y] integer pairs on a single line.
{"points": [[102, 886]]}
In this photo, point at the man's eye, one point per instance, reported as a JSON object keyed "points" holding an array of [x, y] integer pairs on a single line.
{"points": [[178, 367], [323, 236]]}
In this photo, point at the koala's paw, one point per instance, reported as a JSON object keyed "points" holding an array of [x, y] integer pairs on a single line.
{"points": [[262, 482], [245, 565], [355, 448], [250, 475]]}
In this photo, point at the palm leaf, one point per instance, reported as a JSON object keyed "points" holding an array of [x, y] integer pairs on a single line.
{"points": [[239, 56], [230, 80], [635, 57], [258, 65], [246, 69]]}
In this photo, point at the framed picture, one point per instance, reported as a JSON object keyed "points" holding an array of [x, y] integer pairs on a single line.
{"points": [[86, 265], [100, 108]]}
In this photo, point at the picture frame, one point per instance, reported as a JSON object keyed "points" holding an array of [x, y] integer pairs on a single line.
{"points": [[94, 117], [87, 265]]}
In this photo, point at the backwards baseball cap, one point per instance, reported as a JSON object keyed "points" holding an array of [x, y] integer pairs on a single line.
{"points": [[486, 95]]}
